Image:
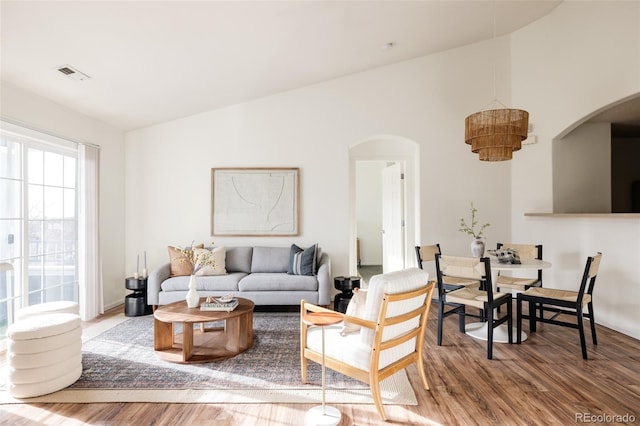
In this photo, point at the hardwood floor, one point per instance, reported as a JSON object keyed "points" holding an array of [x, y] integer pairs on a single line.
{"points": [[543, 381]]}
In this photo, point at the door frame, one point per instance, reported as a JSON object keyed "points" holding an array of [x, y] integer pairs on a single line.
{"points": [[391, 148]]}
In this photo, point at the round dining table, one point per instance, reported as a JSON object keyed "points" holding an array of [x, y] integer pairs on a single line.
{"points": [[479, 330]]}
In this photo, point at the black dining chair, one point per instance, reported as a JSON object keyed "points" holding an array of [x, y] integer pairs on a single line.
{"points": [[559, 302]]}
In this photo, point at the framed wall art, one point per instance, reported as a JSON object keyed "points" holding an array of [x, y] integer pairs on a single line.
{"points": [[255, 201]]}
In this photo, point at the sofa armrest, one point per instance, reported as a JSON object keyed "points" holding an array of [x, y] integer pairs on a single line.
{"points": [[156, 277], [324, 280]]}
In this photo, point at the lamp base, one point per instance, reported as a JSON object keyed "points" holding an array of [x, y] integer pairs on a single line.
{"points": [[315, 416]]}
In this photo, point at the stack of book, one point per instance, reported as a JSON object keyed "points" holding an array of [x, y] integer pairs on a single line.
{"points": [[215, 304]]}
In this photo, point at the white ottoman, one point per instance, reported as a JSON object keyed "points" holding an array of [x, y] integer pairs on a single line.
{"points": [[44, 354], [47, 308]]}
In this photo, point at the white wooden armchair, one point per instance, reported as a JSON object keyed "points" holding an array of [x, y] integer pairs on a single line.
{"points": [[391, 334]]}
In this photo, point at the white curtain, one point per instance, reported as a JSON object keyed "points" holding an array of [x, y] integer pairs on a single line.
{"points": [[90, 262]]}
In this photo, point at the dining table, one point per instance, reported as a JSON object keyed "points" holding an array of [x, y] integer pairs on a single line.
{"points": [[479, 330]]}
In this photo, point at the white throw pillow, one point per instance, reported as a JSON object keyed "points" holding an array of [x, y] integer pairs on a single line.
{"points": [[355, 308], [210, 262]]}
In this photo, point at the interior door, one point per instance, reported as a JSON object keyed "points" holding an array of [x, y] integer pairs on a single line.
{"points": [[392, 218]]}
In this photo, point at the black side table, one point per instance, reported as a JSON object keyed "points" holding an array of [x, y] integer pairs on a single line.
{"points": [[135, 304], [346, 286]]}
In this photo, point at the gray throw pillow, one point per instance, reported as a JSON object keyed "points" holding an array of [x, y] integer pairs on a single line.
{"points": [[303, 261]]}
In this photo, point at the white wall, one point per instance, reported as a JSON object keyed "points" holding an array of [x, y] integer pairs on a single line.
{"points": [[369, 210], [582, 170], [19, 106], [423, 100], [579, 58]]}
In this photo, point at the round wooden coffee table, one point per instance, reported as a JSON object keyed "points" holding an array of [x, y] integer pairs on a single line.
{"points": [[208, 344]]}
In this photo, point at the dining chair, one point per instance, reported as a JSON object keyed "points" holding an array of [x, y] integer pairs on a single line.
{"points": [[388, 338], [525, 251], [428, 253], [483, 298], [558, 302]]}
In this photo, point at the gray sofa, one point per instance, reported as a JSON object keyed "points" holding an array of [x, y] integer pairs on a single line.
{"points": [[255, 273]]}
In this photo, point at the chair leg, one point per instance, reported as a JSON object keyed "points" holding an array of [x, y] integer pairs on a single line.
{"points": [[593, 323], [519, 320], [377, 397], [489, 333], [510, 320], [461, 315], [583, 344], [303, 368], [532, 317], [440, 318], [423, 373]]}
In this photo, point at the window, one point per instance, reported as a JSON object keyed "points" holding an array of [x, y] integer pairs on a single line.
{"points": [[38, 222]]}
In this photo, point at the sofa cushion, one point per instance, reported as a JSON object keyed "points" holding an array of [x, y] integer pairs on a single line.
{"points": [[270, 259], [278, 282], [238, 259], [303, 261], [181, 260], [210, 262], [227, 282]]}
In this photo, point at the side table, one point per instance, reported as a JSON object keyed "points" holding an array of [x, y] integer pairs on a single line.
{"points": [[135, 304], [322, 415], [346, 286]]}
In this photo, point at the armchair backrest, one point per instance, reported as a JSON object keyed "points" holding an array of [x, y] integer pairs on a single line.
{"points": [[403, 281]]}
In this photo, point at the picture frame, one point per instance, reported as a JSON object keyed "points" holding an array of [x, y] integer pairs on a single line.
{"points": [[255, 201]]}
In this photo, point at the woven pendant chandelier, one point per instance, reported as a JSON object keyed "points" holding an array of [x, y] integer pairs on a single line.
{"points": [[494, 134]]}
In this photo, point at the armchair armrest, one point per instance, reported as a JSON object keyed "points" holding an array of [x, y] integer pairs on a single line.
{"points": [[155, 279], [310, 307]]}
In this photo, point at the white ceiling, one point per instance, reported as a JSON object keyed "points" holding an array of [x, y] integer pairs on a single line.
{"points": [[152, 61]]}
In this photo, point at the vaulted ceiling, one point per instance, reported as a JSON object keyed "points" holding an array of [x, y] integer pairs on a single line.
{"points": [[151, 61]]}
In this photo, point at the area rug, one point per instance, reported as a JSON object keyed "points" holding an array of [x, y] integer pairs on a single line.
{"points": [[119, 365]]}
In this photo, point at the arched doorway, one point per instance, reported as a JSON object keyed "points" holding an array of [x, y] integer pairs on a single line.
{"points": [[384, 153]]}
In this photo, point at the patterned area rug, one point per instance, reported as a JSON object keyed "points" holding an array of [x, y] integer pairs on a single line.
{"points": [[119, 365]]}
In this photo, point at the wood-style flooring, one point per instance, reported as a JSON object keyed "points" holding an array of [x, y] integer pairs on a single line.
{"points": [[543, 381]]}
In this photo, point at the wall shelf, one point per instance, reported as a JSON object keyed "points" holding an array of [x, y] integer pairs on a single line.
{"points": [[587, 215]]}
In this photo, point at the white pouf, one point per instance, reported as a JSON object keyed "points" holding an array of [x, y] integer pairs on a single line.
{"points": [[44, 354], [47, 308]]}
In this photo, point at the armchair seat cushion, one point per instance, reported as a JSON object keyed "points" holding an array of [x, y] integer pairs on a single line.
{"points": [[348, 349]]}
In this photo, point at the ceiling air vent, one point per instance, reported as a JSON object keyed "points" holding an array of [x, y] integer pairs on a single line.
{"points": [[72, 73]]}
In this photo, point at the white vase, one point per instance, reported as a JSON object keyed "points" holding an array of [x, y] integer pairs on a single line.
{"points": [[193, 298], [477, 248]]}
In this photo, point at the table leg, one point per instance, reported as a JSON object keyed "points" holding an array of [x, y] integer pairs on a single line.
{"points": [[323, 415], [187, 341], [162, 335]]}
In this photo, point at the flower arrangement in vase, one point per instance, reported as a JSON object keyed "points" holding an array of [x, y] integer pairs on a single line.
{"points": [[199, 258], [477, 245]]}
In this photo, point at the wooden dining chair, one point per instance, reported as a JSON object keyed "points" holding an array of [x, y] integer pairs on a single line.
{"points": [[558, 302], [483, 298]]}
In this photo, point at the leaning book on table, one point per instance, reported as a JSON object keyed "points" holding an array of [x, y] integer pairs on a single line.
{"points": [[216, 305]]}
